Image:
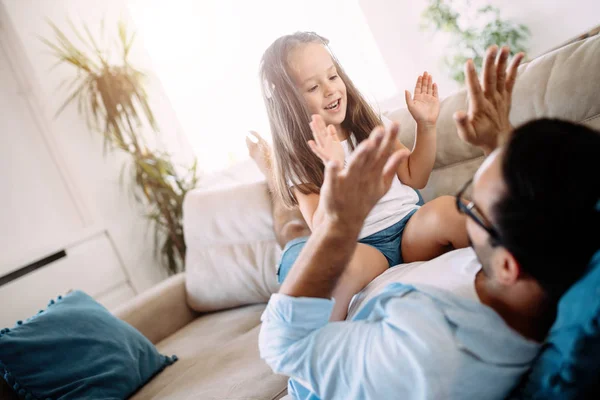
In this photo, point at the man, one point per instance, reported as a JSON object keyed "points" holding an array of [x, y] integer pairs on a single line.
{"points": [[533, 197]]}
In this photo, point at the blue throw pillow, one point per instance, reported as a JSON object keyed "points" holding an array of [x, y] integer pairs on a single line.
{"points": [[76, 349], [568, 366]]}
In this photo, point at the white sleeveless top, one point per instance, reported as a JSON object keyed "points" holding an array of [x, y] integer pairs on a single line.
{"points": [[392, 207]]}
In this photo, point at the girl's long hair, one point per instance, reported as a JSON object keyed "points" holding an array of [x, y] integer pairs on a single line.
{"points": [[294, 163]]}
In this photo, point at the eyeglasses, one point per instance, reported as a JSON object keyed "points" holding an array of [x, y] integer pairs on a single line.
{"points": [[472, 211]]}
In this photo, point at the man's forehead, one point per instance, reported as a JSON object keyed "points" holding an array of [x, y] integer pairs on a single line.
{"points": [[488, 183]]}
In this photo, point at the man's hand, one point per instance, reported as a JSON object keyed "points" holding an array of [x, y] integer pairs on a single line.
{"points": [[348, 194], [486, 123], [327, 145], [425, 104]]}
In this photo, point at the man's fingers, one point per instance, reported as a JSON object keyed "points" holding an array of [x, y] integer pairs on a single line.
{"points": [[473, 86], [393, 162], [464, 126], [501, 68], [435, 90], [489, 69], [511, 75], [366, 150], [332, 171]]}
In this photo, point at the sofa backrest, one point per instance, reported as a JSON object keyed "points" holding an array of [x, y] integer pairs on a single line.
{"points": [[568, 367], [232, 255], [564, 83]]}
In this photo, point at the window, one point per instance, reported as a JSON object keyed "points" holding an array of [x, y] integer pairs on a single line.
{"points": [[207, 54]]}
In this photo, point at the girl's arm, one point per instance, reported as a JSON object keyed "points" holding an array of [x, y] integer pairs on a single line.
{"points": [[309, 207], [326, 145], [425, 108], [415, 171]]}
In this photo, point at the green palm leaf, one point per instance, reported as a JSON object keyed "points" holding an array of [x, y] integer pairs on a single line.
{"points": [[114, 102]]}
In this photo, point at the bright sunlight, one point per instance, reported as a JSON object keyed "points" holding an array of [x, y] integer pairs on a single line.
{"points": [[207, 53]]}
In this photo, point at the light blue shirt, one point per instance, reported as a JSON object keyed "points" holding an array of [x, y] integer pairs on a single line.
{"points": [[409, 342]]}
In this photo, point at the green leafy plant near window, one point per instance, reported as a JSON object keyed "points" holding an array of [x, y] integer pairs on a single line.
{"points": [[471, 32], [113, 99]]}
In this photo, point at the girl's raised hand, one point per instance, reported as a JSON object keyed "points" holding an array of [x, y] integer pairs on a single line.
{"points": [[326, 145], [425, 104]]}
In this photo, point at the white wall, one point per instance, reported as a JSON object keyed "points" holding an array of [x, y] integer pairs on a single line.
{"points": [[394, 25], [208, 53], [96, 176], [409, 51]]}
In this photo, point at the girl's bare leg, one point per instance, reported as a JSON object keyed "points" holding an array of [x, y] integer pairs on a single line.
{"points": [[366, 264], [436, 228], [288, 224]]}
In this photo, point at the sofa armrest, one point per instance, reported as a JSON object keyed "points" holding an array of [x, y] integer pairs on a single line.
{"points": [[160, 311]]}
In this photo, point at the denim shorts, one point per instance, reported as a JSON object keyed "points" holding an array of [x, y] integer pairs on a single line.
{"points": [[387, 241]]}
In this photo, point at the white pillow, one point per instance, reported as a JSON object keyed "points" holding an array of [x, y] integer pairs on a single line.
{"points": [[232, 254]]}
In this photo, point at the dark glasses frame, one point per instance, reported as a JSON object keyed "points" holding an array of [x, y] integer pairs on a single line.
{"points": [[468, 208]]}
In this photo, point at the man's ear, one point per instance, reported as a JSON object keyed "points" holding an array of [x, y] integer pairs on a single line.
{"points": [[508, 268]]}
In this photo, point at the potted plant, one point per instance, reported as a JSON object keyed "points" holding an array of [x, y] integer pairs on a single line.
{"points": [[113, 99], [471, 31]]}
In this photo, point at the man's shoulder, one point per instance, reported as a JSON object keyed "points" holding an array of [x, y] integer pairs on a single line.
{"points": [[415, 313], [459, 324], [446, 332], [421, 309]]}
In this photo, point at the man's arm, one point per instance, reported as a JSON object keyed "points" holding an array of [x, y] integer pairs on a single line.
{"points": [[321, 262], [381, 357], [347, 196], [486, 124]]}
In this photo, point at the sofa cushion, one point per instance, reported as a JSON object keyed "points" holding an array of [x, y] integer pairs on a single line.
{"points": [[218, 359], [232, 254], [562, 84], [77, 349], [568, 366], [447, 180], [450, 149]]}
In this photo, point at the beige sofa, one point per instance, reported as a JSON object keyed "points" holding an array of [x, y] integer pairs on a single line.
{"points": [[209, 316]]}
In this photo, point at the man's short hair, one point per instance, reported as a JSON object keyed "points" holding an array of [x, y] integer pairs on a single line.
{"points": [[548, 218]]}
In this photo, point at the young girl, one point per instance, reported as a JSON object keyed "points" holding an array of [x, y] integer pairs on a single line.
{"points": [[316, 114]]}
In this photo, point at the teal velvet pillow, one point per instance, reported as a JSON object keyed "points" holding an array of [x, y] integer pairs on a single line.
{"points": [[568, 366], [76, 349]]}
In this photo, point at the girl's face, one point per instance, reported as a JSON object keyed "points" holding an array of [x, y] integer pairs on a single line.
{"points": [[316, 77]]}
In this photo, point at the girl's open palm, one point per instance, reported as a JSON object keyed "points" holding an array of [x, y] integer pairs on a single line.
{"points": [[425, 104], [326, 145]]}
